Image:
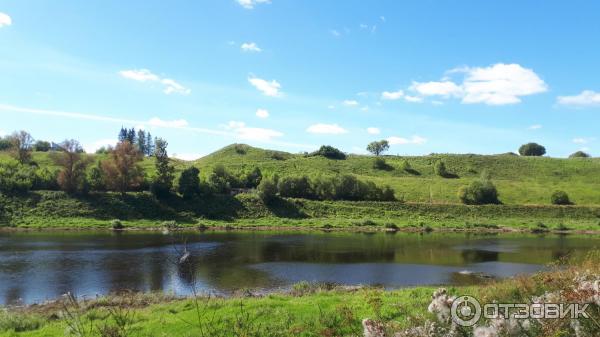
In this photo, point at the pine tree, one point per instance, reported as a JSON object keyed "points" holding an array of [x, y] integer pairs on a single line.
{"points": [[122, 134], [165, 172], [149, 145], [131, 136], [141, 141]]}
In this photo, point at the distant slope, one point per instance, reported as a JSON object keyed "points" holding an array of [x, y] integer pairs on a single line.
{"points": [[520, 180]]}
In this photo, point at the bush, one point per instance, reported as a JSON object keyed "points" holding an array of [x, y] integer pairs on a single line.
{"points": [[440, 168], [221, 181], [41, 146], [329, 152], [295, 187], [532, 149], [380, 164], [579, 154], [116, 224], [5, 143], [560, 198], [16, 178], [189, 183], [479, 192], [267, 190]]}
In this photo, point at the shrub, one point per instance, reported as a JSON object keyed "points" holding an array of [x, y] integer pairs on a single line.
{"points": [[479, 192], [116, 224], [560, 198], [18, 322], [5, 143], [380, 164], [189, 183], [532, 149], [15, 178], [440, 168], [295, 187], [267, 190], [329, 152], [41, 146], [221, 181], [253, 178], [579, 154], [241, 149]]}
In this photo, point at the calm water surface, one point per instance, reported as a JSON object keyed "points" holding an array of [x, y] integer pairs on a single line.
{"points": [[39, 266]]}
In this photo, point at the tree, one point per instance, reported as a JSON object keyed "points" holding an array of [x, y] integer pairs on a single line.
{"points": [[96, 178], [189, 182], [149, 145], [329, 152], [42, 146], [22, 143], [165, 172], [122, 134], [379, 147], [131, 136], [532, 149], [579, 154], [253, 178], [267, 190], [440, 168], [73, 162], [141, 141], [479, 192], [5, 143], [121, 171]]}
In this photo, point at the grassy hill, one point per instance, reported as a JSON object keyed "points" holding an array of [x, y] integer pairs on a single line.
{"points": [[520, 180]]}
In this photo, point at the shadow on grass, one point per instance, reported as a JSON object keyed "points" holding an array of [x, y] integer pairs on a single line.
{"points": [[285, 209]]}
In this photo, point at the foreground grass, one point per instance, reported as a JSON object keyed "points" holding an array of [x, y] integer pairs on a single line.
{"points": [[307, 310]]}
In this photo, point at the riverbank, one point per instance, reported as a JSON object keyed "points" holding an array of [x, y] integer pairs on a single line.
{"points": [[306, 310], [43, 210]]}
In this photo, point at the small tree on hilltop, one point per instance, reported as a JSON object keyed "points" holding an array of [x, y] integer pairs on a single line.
{"points": [[22, 143], [73, 162], [579, 154], [165, 172], [121, 171], [379, 147], [532, 149], [189, 182]]}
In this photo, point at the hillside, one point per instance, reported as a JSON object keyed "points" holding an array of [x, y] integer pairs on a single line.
{"points": [[520, 180]]}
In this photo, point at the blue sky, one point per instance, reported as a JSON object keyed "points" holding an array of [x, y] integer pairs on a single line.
{"points": [[429, 76]]}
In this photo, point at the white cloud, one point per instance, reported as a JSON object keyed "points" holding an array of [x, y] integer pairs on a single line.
{"points": [[382, 18], [94, 146], [177, 123], [267, 88], [364, 108], [373, 131], [330, 129], [444, 88], [145, 75], [580, 141], [350, 102], [250, 47], [5, 20], [249, 133], [535, 127], [363, 26], [173, 87], [262, 113], [498, 84], [331, 106], [335, 33], [418, 140], [188, 156], [392, 95], [140, 75], [413, 99], [249, 4], [585, 98]]}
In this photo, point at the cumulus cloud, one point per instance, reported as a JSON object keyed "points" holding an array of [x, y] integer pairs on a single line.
{"points": [[250, 133], [373, 131], [96, 145], [250, 47], [268, 88], [335, 33], [330, 129], [5, 20], [392, 95], [585, 98], [535, 127], [350, 102], [498, 84], [249, 4], [262, 113], [145, 75], [418, 140], [413, 99]]}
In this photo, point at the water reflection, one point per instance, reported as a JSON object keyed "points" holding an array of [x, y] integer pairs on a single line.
{"points": [[39, 266]]}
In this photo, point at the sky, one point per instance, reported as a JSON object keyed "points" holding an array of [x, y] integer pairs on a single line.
{"points": [[428, 76]]}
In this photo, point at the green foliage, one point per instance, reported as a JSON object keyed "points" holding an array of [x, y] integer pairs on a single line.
{"points": [[220, 180], [41, 146], [479, 192], [329, 152], [189, 182], [17, 322], [379, 147], [560, 198], [532, 149], [16, 178], [440, 168], [165, 172], [295, 187], [5, 143], [381, 164], [95, 178], [253, 178], [267, 190], [116, 224], [579, 154]]}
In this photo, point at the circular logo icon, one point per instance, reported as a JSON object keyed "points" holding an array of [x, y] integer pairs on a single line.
{"points": [[466, 311]]}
